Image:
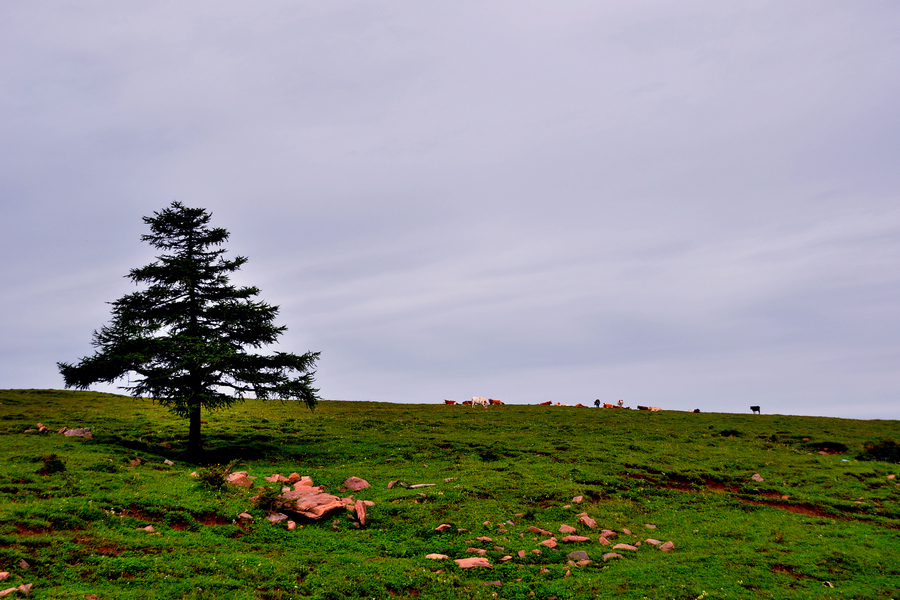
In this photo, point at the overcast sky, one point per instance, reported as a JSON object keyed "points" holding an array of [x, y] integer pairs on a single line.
{"points": [[686, 205]]}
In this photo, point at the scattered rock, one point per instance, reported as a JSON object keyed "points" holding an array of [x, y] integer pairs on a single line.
{"points": [[610, 555], [245, 516], [521, 553], [650, 526], [361, 512], [478, 551], [475, 561], [443, 527], [278, 478], [543, 571], [135, 462], [626, 531], [667, 546], [291, 525], [496, 583], [892, 476], [356, 484], [435, 556], [148, 529], [550, 543], [608, 533], [168, 462], [757, 477], [536, 551], [583, 563], [578, 555], [653, 542], [604, 541], [624, 547], [578, 499], [567, 529], [484, 538], [7, 591], [534, 529], [828, 584], [23, 564], [575, 538], [25, 588], [4, 575], [239, 479], [506, 558], [392, 483], [294, 478], [586, 520], [276, 518], [421, 485]]}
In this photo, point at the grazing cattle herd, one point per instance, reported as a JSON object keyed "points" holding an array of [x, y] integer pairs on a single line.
{"points": [[485, 402]]}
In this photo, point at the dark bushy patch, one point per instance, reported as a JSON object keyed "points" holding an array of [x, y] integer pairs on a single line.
{"points": [[885, 450], [52, 464]]}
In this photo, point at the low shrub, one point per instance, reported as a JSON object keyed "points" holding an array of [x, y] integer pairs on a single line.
{"points": [[885, 450]]}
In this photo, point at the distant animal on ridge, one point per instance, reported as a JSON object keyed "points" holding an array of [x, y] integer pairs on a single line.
{"points": [[755, 409], [597, 402], [482, 401], [449, 401]]}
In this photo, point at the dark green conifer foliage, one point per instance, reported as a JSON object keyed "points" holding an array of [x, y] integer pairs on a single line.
{"points": [[183, 340]]}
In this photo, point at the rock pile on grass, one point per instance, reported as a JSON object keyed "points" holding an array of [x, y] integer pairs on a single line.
{"points": [[302, 499]]}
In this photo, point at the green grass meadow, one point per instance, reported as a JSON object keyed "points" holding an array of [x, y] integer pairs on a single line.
{"points": [[818, 525]]}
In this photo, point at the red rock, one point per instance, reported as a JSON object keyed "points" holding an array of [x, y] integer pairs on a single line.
{"points": [[653, 542], [25, 588], [650, 526], [4, 575], [391, 484], [892, 476], [567, 529], [277, 478], [303, 482], [667, 546], [7, 592], [506, 558], [294, 477], [291, 525], [361, 512], [478, 551], [626, 531], [624, 547], [536, 551], [576, 538], [604, 541], [84, 432], [534, 529], [586, 520], [484, 539], [245, 516], [148, 528], [521, 553], [610, 555], [443, 527], [757, 477], [239, 479], [435, 556], [608, 533], [550, 543], [277, 518], [475, 561], [135, 462], [356, 484], [578, 499]]}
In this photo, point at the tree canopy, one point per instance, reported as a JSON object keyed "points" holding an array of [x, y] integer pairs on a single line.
{"points": [[183, 341]]}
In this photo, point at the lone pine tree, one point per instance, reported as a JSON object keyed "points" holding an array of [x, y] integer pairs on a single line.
{"points": [[183, 340]]}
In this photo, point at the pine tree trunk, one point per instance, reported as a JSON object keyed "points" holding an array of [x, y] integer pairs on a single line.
{"points": [[195, 441]]}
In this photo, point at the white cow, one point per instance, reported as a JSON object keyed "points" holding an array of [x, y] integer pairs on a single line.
{"points": [[481, 401]]}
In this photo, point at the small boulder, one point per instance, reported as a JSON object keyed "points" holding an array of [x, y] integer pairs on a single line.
{"points": [[652, 542], [578, 499], [475, 561], [624, 547], [575, 538], [534, 529], [626, 531], [4, 575], [294, 478], [484, 538], [443, 527], [355, 484], [587, 521], [521, 553], [550, 543], [604, 541], [578, 555], [83, 432], [276, 518], [435, 556], [291, 525], [478, 551], [245, 516], [567, 529], [757, 477], [608, 533], [610, 555], [361, 512], [168, 462], [667, 546]]}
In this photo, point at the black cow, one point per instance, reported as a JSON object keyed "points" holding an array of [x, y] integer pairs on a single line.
{"points": [[755, 409]]}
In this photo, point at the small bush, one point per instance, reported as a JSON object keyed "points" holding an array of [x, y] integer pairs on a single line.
{"points": [[886, 451], [214, 476], [268, 498]]}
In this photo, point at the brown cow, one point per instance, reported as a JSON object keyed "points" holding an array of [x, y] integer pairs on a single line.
{"points": [[547, 403], [493, 402], [449, 401]]}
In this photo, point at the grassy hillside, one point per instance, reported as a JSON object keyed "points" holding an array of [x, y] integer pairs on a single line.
{"points": [[74, 509]]}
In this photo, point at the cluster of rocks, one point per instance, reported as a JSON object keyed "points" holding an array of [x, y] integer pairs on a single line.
{"points": [[24, 588], [301, 498], [84, 432], [569, 535]]}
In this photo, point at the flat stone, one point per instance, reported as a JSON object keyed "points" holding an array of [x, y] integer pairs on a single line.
{"points": [[7, 591], [604, 541], [567, 529], [550, 543], [277, 518], [521, 553], [586, 520], [653, 542], [578, 555], [435, 556], [443, 527], [478, 551], [475, 561], [4, 575], [626, 531], [495, 583], [277, 478], [506, 558], [575, 538], [757, 477], [356, 484], [484, 539], [83, 432], [245, 516], [667, 546], [610, 555], [168, 462], [650, 526], [534, 529], [624, 547], [148, 529], [361, 512], [608, 533], [291, 525], [583, 563], [578, 499]]}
